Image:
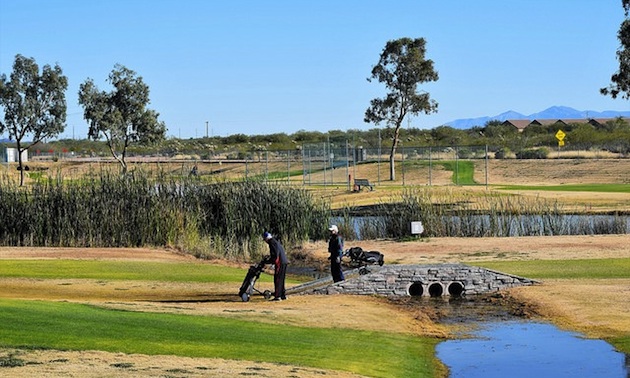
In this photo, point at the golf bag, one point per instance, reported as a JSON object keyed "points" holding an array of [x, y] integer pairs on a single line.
{"points": [[249, 283], [360, 258]]}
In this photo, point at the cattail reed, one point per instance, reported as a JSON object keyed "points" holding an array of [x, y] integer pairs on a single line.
{"points": [[446, 213], [219, 219]]}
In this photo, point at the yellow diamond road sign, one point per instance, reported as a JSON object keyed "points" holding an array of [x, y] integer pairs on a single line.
{"points": [[560, 135]]}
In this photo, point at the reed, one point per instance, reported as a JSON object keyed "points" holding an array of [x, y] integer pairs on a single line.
{"points": [[445, 213], [218, 219]]}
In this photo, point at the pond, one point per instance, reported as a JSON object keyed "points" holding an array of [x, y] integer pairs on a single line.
{"points": [[520, 348], [474, 225]]}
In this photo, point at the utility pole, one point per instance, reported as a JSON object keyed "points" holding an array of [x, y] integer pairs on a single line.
{"points": [[206, 129]]}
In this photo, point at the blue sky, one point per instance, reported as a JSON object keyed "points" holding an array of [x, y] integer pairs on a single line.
{"points": [[262, 67]]}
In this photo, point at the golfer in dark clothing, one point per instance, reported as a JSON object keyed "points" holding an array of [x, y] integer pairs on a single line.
{"points": [[278, 257], [335, 248]]}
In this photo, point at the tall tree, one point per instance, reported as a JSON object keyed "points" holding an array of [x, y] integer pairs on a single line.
{"points": [[121, 115], [34, 104], [621, 79], [402, 67]]}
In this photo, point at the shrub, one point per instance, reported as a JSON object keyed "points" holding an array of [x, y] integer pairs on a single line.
{"points": [[502, 153], [538, 153]]}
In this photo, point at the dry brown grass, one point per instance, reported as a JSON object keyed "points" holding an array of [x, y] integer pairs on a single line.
{"points": [[597, 308], [216, 299], [558, 170], [96, 364]]}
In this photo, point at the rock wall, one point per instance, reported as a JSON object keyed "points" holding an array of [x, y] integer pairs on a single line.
{"points": [[424, 280]]}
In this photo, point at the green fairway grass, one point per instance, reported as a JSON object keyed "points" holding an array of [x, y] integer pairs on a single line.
{"points": [[463, 171], [67, 326], [563, 269], [127, 270]]}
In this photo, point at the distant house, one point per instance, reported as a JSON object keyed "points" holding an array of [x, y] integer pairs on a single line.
{"points": [[10, 155], [573, 121], [545, 122], [521, 124], [599, 122]]}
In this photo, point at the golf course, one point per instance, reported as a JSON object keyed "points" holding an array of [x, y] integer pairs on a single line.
{"points": [[149, 311]]}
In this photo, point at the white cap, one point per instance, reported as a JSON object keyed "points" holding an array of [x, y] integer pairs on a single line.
{"points": [[333, 228]]}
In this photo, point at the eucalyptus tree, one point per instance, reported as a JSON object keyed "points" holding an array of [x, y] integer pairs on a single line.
{"points": [[402, 67], [121, 116], [620, 85], [34, 104]]}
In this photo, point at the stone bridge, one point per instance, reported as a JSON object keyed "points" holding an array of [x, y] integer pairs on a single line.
{"points": [[434, 280]]}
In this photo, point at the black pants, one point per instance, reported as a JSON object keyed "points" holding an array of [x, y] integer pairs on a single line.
{"points": [[278, 281], [335, 270]]}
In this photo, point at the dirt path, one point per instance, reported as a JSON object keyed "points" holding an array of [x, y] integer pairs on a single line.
{"points": [[440, 250]]}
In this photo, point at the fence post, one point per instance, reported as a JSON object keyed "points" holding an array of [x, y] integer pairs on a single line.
{"points": [[430, 167], [378, 167], [402, 165], [456, 165], [303, 166], [266, 165], [326, 158], [288, 168], [347, 163], [486, 167]]}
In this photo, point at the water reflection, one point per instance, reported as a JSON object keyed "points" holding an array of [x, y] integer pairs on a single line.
{"points": [[498, 225], [530, 349]]}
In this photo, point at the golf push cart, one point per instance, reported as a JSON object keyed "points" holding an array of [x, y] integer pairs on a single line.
{"points": [[249, 283]]}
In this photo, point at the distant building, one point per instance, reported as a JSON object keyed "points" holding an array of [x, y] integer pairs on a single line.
{"points": [[10, 155], [521, 124], [599, 122]]}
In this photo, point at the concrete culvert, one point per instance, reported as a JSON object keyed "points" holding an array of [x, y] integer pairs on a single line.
{"points": [[436, 289], [415, 289], [456, 289]]}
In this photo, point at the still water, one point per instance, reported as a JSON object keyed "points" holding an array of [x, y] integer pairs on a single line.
{"points": [[530, 349], [505, 225]]}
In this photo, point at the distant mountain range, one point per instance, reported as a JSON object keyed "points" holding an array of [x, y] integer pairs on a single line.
{"points": [[554, 112]]}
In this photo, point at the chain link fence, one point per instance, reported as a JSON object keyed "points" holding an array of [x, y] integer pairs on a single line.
{"points": [[339, 164]]}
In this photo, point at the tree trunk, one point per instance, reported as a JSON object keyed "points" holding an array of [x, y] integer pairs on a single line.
{"points": [[392, 161], [392, 154], [120, 159], [20, 167]]}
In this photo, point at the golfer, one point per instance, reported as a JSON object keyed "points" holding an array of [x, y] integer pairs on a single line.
{"points": [[278, 257], [335, 248]]}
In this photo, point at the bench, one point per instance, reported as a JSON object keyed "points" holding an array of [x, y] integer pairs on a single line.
{"points": [[359, 183]]}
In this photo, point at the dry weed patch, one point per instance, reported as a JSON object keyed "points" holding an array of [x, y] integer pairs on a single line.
{"points": [[597, 308], [95, 364]]}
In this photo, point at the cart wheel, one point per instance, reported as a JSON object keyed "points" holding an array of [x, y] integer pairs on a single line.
{"points": [[245, 297], [363, 271], [267, 294]]}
